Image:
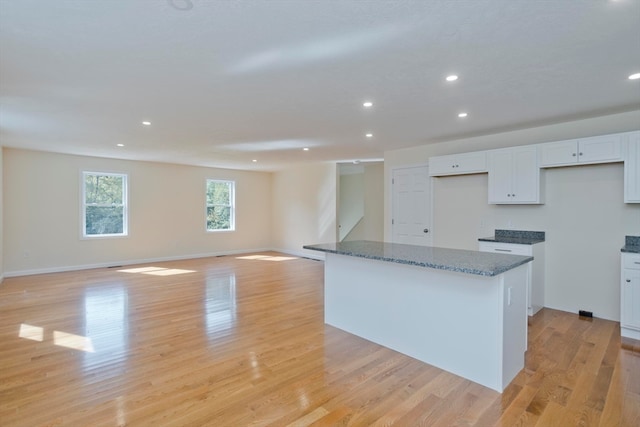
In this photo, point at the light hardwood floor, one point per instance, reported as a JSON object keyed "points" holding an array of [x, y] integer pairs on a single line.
{"points": [[240, 341]]}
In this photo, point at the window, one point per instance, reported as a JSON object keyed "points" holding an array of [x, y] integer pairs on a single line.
{"points": [[104, 204], [220, 205]]}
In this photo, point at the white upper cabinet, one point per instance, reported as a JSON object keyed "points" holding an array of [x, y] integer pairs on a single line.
{"points": [[632, 169], [597, 149], [514, 176], [458, 164]]}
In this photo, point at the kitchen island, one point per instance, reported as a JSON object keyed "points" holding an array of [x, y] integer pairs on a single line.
{"points": [[462, 311]]}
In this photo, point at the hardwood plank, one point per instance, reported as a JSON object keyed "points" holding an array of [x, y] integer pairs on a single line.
{"points": [[241, 341]]}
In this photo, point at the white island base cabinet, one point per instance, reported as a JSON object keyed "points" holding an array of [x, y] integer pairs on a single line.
{"points": [[470, 325], [630, 296]]}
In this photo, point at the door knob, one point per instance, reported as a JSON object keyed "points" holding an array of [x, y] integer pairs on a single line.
{"points": [[426, 230]]}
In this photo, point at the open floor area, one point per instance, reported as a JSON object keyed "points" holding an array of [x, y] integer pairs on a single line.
{"points": [[240, 340]]}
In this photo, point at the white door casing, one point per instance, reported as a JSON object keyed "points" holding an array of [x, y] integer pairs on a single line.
{"points": [[411, 211]]}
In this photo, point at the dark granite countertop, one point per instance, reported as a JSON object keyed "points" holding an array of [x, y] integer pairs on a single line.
{"points": [[631, 245], [458, 260], [518, 237]]}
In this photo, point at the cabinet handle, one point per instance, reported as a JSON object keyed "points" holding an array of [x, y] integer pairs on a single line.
{"points": [[574, 154], [503, 250], [636, 262], [628, 280]]}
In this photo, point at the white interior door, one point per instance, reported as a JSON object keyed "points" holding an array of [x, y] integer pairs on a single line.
{"points": [[411, 216]]}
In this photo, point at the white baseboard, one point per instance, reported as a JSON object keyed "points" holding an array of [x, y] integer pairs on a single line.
{"points": [[303, 253], [128, 262]]}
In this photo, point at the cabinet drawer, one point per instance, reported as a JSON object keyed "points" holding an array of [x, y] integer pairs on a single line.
{"points": [[506, 248], [631, 261]]}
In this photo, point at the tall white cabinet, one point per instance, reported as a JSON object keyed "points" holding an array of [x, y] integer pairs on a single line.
{"points": [[514, 176], [632, 169]]}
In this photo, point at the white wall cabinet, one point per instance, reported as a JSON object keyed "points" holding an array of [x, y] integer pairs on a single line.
{"points": [[632, 169], [458, 164], [535, 269], [630, 296], [514, 176], [514, 173], [597, 149]]}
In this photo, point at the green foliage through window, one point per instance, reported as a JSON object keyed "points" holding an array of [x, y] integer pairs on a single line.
{"points": [[220, 205], [104, 204]]}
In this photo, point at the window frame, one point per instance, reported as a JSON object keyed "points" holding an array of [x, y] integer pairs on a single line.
{"points": [[231, 206], [83, 206]]}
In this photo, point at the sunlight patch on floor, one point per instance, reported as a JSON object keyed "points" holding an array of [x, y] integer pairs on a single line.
{"points": [[63, 339], [267, 258], [34, 333], [156, 271], [76, 342]]}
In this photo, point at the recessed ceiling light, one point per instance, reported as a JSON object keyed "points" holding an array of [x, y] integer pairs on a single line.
{"points": [[369, 135], [120, 145], [462, 115], [367, 104], [254, 161], [146, 123], [452, 78], [635, 76], [306, 148]]}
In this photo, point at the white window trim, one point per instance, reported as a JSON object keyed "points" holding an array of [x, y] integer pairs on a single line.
{"points": [[232, 206], [125, 210]]}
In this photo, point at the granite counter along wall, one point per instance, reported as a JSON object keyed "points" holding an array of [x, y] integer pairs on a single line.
{"points": [[631, 244], [518, 237]]}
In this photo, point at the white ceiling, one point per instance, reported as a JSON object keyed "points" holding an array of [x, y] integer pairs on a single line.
{"points": [[226, 82]]}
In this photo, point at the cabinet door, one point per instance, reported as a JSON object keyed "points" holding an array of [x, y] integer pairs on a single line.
{"points": [[472, 162], [630, 293], [560, 153], [632, 170], [600, 149], [526, 176], [458, 164], [442, 165], [500, 175]]}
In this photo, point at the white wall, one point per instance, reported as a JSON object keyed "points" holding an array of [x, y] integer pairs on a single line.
{"points": [[584, 215], [166, 212], [1, 219], [374, 201], [304, 207], [350, 203]]}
